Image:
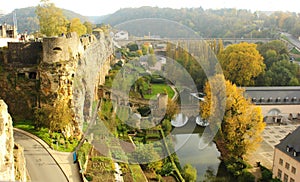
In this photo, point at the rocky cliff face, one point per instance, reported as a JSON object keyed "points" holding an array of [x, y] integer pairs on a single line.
{"points": [[7, 172], [12, 160]]}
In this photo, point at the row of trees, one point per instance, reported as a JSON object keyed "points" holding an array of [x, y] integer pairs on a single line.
{"points": [[244, 64], [52, 21], [214, 23]]}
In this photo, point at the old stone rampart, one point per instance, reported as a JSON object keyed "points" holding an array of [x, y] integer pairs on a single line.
{"points": [[39, 74]]}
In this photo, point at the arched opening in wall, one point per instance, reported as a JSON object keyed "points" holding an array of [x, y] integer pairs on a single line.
{"points": [[274, 112], [57, 49], [32, 75]]}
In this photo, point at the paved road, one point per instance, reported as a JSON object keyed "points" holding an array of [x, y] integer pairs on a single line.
{"points": [[39, 163], [292, 39]]}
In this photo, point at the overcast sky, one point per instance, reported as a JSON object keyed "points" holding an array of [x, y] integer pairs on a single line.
{"points": [[100, 7]]}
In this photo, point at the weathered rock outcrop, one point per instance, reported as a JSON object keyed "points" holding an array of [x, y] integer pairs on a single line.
{"points": [[12, 160], [20, 163], [7, 171]]}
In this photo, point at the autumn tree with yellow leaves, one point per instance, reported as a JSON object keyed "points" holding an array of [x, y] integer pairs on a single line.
{"points": [[241, 63], [51, 19], [242, 123], [76, 26], [53, 22]]}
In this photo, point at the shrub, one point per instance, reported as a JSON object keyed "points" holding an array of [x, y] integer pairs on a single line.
{"points": [[88, 177], [133, 47], [266, 174], [236, 166], [167, 169], [189, 173], [246, 177]]}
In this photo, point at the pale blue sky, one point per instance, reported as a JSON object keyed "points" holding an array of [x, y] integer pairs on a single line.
{"points": [[99, 7]]}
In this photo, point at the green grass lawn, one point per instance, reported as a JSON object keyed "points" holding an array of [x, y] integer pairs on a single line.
{"points": [[160, 88], [295, 51], [54, 140]]}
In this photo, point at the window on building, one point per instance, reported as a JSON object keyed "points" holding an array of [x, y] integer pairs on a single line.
{"points": [[279, 174], [292, 180], [280, 161], [287, 166], [293, 170], [285, 178]]}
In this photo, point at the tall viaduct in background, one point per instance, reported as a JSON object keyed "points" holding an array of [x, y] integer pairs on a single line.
{"points": [[226, 41]]}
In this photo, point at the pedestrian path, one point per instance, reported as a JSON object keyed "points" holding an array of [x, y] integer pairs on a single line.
{"points": [[63, 159]]}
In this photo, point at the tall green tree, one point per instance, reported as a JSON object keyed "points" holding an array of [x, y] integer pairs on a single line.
{"points": [[282, 73], [241, 63], [272, 52], [51, 19]]}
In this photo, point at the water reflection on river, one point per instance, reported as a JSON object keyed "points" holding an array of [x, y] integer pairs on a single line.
{"points": [[206, 161]]}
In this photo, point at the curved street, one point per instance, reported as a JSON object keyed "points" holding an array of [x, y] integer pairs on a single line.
{"points": [[40, 165]]}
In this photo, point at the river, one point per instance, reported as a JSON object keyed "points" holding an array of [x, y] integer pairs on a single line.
{"points": [[206, 161]]}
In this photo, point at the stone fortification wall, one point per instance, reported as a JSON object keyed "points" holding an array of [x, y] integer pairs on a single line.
{"points": [[91, 70], [24, 52], [72, 69], [19, 88], [56, 49], [68, 68]]}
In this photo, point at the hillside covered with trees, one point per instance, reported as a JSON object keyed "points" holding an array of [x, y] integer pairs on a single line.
{"points": [[207, 23], [27, 19], [217, 23]]}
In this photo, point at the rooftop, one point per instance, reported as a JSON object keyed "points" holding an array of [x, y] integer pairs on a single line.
{"points": [[290, 145], [273, 95]]}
